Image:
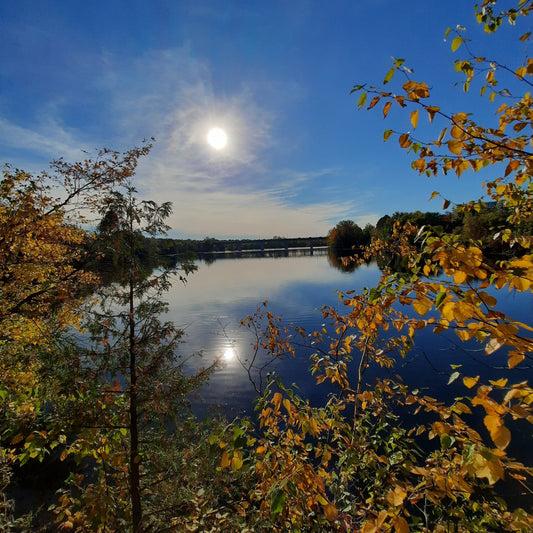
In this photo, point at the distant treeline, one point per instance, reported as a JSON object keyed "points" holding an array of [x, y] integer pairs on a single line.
{"points": [[211, 245], [471, 223], [155, 252]]}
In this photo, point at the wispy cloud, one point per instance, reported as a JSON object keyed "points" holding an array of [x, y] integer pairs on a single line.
{"points": [[45, 141], [168, 94]]}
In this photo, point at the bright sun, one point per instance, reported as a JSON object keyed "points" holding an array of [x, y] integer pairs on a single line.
{"points": [[217, 138]]}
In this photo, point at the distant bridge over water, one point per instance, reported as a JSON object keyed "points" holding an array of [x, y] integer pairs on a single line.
{"points": [[263, 246]]}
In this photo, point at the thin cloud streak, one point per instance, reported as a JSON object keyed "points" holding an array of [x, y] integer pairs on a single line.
{"points": [[48, 140], [235, 192]]}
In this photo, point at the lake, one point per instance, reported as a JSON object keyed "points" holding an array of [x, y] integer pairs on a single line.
{"points": [[210, 306]]}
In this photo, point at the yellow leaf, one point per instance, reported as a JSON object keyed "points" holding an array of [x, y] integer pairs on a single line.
{"points": [[456, 43], [520, 284], [414, 118], [397, 496], [261, 450], [401, 525], [498, 383], [515, 359], [459, 277], [470, 382], [422, 306], [521, 72], [330, 512], [489, 468], [464, 334], [457, 133], [455, 147], [237, 460], [225, 461]]}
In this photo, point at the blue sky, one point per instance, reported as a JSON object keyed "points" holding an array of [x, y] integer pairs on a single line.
{"points": [[275, 75]]}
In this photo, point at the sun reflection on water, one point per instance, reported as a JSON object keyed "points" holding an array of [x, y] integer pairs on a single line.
{"points": [[229, 354]]}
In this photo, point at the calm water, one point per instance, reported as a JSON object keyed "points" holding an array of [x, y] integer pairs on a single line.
{"points": [[211, 305]]}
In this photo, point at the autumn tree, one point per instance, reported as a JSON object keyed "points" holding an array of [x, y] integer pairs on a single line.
{"points": [[136, 422], [345, 236], [42, 283]]}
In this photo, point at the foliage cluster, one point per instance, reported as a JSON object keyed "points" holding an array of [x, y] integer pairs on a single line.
{"points": [[351, 464]]}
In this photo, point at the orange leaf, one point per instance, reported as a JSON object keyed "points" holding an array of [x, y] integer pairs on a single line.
{"points": [[432, 110], [498, 432], [276, 400], [386, 108], [512, 166], [470, 382], [404, 140], [374, 101]]}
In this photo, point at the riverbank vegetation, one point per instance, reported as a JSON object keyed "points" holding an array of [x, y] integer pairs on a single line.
{"points": [[95, 396]]}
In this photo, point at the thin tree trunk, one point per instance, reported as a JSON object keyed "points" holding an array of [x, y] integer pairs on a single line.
{"points": [[134, 460], [360, 372]]}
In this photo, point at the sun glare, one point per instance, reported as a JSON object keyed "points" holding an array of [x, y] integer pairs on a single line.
{"points": [[229, 354], [217, 138]]}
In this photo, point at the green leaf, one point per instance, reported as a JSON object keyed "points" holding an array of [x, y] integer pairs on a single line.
{"points": [[440, 299], [389, 75], [453, 377], [357, 88], [398, 62], [456, 43], [362, 100], [446, 441], [277, 502], [387, 134]]}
